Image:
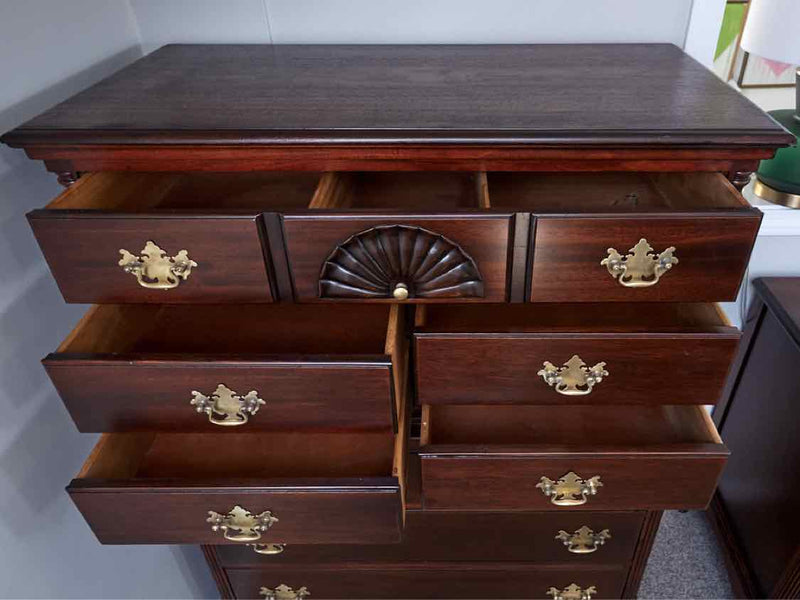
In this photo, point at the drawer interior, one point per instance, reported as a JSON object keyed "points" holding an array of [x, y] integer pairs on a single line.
{"points": [[123, 456], [612, 192], [132, 192], [567, 427], [235, 329], [590, 317]]}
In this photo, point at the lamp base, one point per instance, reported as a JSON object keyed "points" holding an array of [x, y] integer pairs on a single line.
{"points": [[763, 191]]}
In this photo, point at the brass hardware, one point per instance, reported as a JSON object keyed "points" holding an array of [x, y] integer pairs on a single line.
{"points": [[765, 192], [155, 270], [269, 549], [226, 407], [284, 592], [400, 291], [570, 490], [640, 267], [572, 592], [574, 378], [584, 540], [240, 525]]}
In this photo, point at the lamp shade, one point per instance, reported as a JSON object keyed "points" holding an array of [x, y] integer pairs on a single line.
{"points": [[772, 30]]}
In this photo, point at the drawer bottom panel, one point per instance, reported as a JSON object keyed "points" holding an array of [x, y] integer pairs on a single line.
{"points": [[461, 580]]}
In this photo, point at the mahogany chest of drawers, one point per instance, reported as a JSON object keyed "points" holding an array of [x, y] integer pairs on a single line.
{"points": [[399, 321]]}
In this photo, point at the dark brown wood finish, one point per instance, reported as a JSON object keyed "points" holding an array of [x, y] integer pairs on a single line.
{"points": [[409, 94], [755, 509], [217, 572], [158, 489], [129, 368], [647, 537], [492, 355], [492, 457], [464, 580], [468, 537]]}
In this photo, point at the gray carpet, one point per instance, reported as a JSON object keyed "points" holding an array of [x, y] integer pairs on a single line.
{"points": [[686, 561]]}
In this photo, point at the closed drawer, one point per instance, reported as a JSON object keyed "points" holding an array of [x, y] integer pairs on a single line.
{"points": [[238, 368], [149, 237], [590, 538], [414, 581], [573, 354], [569, 458], [419, 237], [312, 488], [632, 220]]}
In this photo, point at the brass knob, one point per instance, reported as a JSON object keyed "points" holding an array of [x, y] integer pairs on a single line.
{"points": [[155, 269], [400, 291], [284, 592], [240, 525], [269, 549], [572, 592]]}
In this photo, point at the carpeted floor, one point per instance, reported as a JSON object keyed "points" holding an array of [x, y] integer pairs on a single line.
{"points": [[686, 561]]}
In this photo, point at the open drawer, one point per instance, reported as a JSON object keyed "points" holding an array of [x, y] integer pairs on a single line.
{"points": [[305, 488], [632, 237], [583, 353], [569, 457], [416, 237], [233, 368], [166, 237]]}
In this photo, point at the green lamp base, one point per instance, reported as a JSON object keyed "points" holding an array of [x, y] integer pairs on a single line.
{"points": [[778, 179]]}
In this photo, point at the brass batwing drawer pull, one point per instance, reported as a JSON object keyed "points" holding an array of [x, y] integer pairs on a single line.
{"points": [[240, 525], [640, 267], [284, 592], [268, 549], [570, 490], [572, 592], [584, 540], [226, 407], [574, 378], [154, 269]]}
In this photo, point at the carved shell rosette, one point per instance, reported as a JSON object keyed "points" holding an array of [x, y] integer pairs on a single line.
{"points": [[373, 263]]}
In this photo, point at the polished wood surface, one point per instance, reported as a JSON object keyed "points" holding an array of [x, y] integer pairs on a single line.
{"points": [[755, 512], [158, 488], [411, 94], [492, 355], [134, 368], [465, 580], [492, 457], [468, 536]]}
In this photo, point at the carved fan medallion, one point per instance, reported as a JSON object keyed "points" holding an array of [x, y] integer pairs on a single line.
{"points": [[399, 261]]}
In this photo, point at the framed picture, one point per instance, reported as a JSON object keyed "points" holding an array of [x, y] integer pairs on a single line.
{"points": [[756, 72]]}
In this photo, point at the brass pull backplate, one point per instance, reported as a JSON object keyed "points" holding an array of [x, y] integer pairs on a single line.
{"points": [[569, 490], [284, 592], [640, 267], [154, 269], [240, 525], [226, 407], [574, 378], [572, 592], [584, 540]]}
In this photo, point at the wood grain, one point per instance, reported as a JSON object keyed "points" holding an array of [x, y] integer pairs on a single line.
{"points": [[647, 537]]}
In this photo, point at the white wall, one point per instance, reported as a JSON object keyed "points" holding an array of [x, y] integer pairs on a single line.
{"points": [[48, 51], [411, 21]]}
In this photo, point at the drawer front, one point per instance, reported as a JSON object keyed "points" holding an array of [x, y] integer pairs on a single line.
{"points": [[431, 536], [630, 481], [83, 252], [411, 581], [325, 512], [509, 369], [712, 253], [357, 257], [169, 395]]}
